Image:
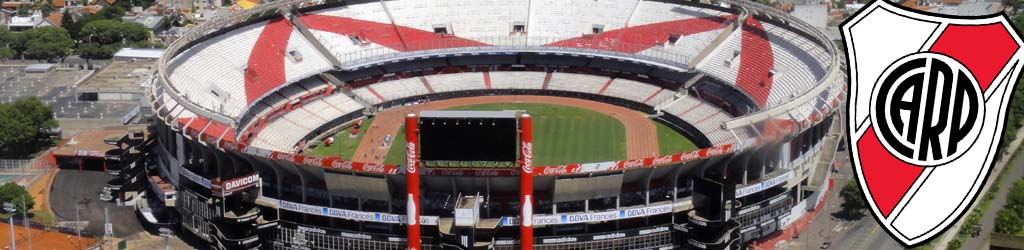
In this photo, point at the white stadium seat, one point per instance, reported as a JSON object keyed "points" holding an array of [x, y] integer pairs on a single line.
{"points": [[560, 19], [655, 12], [283, 133], [463, 18], [577, 82], [517, 80]]}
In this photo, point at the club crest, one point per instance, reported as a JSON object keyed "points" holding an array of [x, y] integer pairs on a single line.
{"points": [[928, 103]]}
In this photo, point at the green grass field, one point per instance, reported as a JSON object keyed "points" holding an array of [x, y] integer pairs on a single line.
{"points": [[562, 135], [343, 146], [671, 142]]}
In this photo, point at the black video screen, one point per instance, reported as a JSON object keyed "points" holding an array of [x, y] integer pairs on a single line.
{"points": [[468, 139]]}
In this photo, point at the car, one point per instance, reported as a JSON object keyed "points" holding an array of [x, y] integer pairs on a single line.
{"points": [[826, 245]]}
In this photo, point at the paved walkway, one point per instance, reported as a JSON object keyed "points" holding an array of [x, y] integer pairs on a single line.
{"points": [[824, 227]]}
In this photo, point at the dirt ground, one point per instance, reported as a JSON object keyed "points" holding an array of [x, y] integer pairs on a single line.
{"points": [[40, 190], [641, 134], [41, 239]]}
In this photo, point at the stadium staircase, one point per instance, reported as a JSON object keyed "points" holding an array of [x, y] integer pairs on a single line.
{"points": [[694, 80], [732, 27], [292, 15], [824, 165], [405, 46], [675, 98], [529, 18], [629, 20], [348, 92]]}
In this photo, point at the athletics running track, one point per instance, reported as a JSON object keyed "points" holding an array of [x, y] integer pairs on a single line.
{"points": [[641, 135]]}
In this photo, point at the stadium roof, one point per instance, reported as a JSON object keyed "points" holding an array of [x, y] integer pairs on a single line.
{"points": [[39, 67], [814, 14], [139, 53], [468, 114]]}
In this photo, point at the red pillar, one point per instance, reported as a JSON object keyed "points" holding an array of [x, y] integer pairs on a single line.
{"points": [[412, 181], [526, 182]]}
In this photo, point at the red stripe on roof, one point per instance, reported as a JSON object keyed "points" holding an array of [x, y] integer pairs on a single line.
{"points": [[395, 37], [756, 62], [641, 37], [265, 70]]}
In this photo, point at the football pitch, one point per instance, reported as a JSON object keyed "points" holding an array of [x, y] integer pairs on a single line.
{"points": [[562, 135]]}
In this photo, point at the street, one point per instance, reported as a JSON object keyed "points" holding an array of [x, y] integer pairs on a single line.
{"points": [[864, 233]]}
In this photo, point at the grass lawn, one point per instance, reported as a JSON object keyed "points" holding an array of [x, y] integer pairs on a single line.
{"points": [[562, 134], [671, 142], [37, 216], [396, 154], [343, 146]]}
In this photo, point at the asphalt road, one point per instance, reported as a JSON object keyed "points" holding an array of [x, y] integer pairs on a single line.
{"points": [[862, 234], [70, 185]]}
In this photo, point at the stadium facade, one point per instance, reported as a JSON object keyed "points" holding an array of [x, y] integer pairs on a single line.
{"points": [[236, 99]]}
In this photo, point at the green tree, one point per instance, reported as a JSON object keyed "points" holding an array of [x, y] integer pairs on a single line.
{"points": [[853, 201], [22, 126], [1013, 3], [18, 196], [48, 43], [1008, 222], [25, 9], [45, 6], [67, 17], [839, 4], [1016, 195], [112, 12], [19, 43], [6, 54], [90, 51], [104, 37]]}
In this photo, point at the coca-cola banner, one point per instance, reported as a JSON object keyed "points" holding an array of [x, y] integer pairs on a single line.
{"points": [[635, 163]]}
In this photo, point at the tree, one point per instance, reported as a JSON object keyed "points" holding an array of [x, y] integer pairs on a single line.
{"points": [[1010, 219], [1008, 222], [22, 126], [67, 17], [113, 12], [839, 4], [853, 201], [25, 9], [90, 51], [46, 7], [6, 54], [104, 37], [13, 193], [1016, 195], [1015, 4], [48, 43]]}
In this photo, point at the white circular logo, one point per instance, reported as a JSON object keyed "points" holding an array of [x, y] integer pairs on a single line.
{"points": [[926, 109]]}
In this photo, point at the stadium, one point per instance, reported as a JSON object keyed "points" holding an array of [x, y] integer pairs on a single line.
{"points": [[411, 124]]}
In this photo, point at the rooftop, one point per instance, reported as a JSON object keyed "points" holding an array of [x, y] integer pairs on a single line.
{"points": [[814, 14], [135, 53], [119, 76], [151, 22], [88, 143], [39, 67]]}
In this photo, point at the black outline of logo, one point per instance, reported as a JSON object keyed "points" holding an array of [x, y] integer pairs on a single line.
{"points": [[849, 89]]}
